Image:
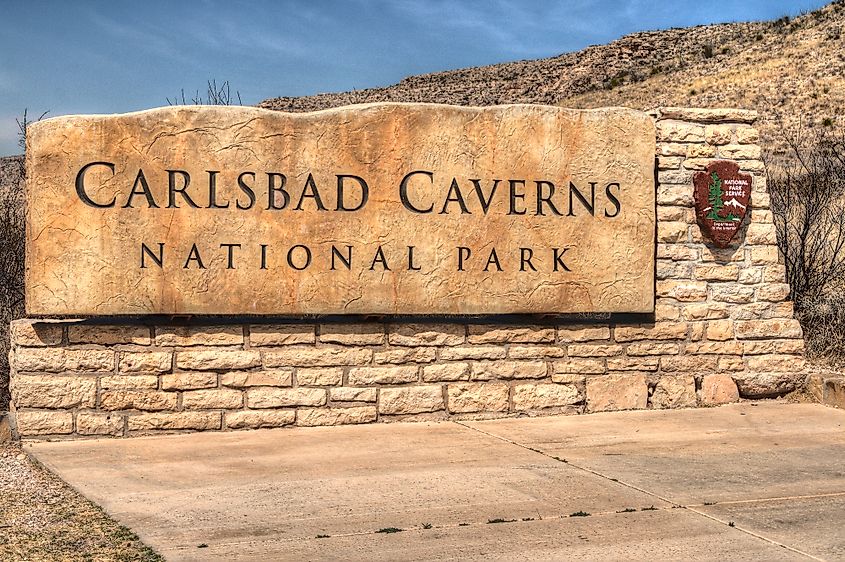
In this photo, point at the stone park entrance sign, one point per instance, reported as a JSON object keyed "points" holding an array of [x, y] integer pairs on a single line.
{"points": [[374, 209]]}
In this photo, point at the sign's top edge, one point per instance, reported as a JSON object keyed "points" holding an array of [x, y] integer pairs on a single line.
{"points": [[338, 109]]}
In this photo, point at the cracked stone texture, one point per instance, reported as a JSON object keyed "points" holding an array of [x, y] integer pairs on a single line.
{"points": [[86, 261]]}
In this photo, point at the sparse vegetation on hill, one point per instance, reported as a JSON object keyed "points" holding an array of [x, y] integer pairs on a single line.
{"points": [[789, 69], [11, 260]]}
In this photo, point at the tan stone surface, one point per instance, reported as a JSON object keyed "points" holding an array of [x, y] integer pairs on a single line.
{"points": [[336, 416], [274, 377], [535, 396], [718, 389], [616, 392], [81, 259], [674, 392], [411, 400], [258, 419], [478, 397]]}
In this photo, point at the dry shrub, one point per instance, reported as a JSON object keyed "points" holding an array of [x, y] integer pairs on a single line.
{"points": [[807, 190], [11, 260]]}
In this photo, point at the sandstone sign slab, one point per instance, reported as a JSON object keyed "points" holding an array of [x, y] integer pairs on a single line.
{"points": [[372, 209]]}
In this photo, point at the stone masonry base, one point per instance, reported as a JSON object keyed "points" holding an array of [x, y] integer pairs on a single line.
{"points": [[722, 329]]}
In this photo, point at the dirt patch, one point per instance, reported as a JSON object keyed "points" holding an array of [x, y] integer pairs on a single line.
{"points": [[42, 518]]}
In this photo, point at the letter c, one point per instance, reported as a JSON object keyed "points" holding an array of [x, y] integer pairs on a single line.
{"points": [[403, 192], [80, 185]]}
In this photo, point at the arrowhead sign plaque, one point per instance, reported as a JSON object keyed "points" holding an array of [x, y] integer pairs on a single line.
{"points": [[722, 198]]}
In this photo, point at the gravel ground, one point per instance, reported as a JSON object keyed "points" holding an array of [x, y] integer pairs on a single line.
{"points": [[41, 518]]}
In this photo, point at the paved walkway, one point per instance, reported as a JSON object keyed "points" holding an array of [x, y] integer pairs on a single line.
{"points": [[753, 481]]}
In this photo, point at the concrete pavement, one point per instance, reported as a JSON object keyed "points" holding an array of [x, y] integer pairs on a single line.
{"points": [[751, 481]]}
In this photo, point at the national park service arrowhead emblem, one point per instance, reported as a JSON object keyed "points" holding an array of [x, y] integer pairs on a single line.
{"points": [[722, 198]]}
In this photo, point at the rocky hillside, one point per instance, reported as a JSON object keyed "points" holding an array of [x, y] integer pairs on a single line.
{"points": [[790, 70]]}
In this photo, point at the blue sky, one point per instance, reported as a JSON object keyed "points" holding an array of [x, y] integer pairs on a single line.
{"points": [[115, 56]]}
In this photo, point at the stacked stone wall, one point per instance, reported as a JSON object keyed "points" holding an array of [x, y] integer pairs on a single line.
{"points": [[722, 329]]}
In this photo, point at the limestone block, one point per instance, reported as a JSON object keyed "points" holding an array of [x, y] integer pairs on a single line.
{"points": [[510, 334], [485, 371], [188, 381], [352, 334], [150, 400], [336, 416], [32, 423], [616, 392], [259, 419], [705, 311], [714, 348], [570, 334], [109, 335], [348, 394], [733, 293], [217, 360], [711, 272], [761, 234], [673, 214], [536, 352], [668, 194], [446, 372], [57, 360], [652, 348], [51, 391], [718, 389], [765, 385], [174, 421], [688, 363], [763, 255], [674, 392], [243, 379], [477, 352], [477, 397], [632, 363], [538, 396], [323, 356], [426, 334], [212, 398], [587, 350], [672, 232], [184, 336], [720, 330], [760, 347], [701, 150], [684, 291], [657, 331], [30, 333], [669, 162], [747, 135], [99, 424], [780, 363], [663, 312], [145, 362], [321, 376], [281, 334], [412, 355], [411, 400], [118, 382], [367, 376], [578, 367], [679, 131], [768, 329], [773, 292], [265, 397], [730, 363]]}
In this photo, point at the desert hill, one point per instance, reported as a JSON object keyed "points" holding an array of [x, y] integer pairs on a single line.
{"points": [[791, 70]]}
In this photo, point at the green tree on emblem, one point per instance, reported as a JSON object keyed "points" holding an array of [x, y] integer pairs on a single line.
{"points": [[715, 197]]}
